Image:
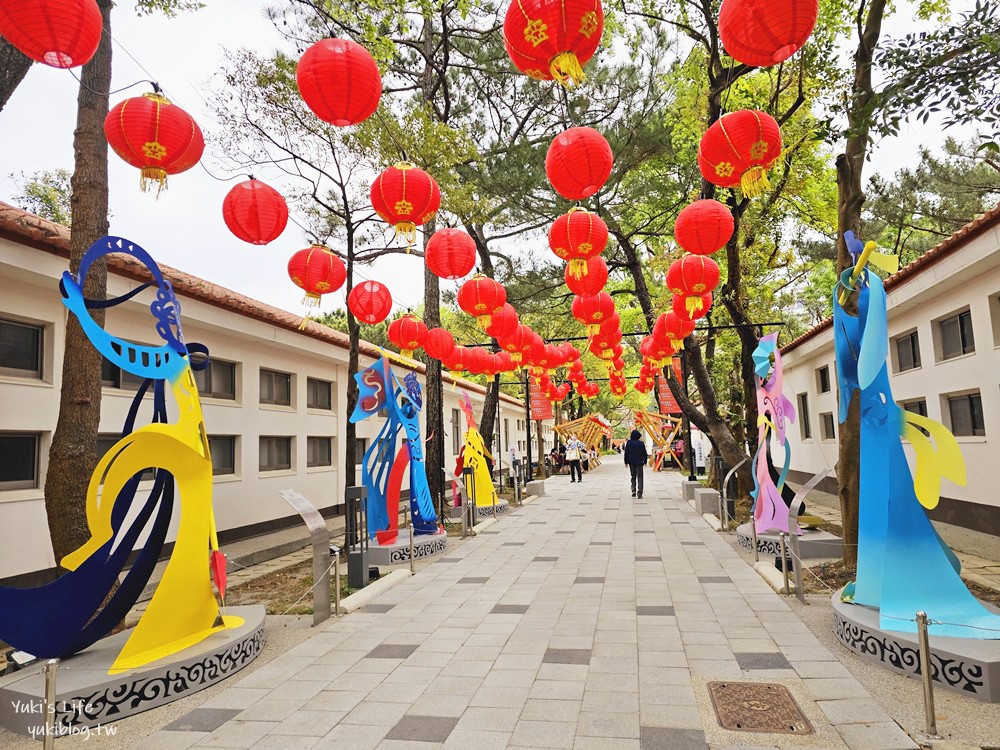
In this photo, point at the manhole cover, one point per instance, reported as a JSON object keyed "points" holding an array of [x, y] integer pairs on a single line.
{"points": [[757, 707]]}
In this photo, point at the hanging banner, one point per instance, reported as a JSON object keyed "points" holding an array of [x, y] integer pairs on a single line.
{"points": [[668, 404], [541, 407]]}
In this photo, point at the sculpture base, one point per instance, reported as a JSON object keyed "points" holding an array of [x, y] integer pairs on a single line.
{"points": [[964, 665], [489, 511], [424, 545], [88, 697], [813, 543]]}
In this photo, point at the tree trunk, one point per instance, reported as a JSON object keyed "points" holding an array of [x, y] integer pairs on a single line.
{"points": [[72, 455], [434, 396], [850, 198], [541, 449], [14, 66], [351, 429]]}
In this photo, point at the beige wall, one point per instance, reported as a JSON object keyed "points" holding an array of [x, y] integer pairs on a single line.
{"points": [[29, 293]]}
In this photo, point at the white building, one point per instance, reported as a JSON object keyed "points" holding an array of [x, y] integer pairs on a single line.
{"points": [[274, 397], [944, 347]]}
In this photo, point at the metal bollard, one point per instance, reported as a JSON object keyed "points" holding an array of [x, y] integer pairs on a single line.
{"points": [[753, 539], [49, 741], [800, 589], [335, 551], [924, 641], [784, 559], [411, 540]]}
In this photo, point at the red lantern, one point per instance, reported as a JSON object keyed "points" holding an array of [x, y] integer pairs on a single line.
{"points": [[407, 333], [738, 150], [691, 276], [255, 212], [60, 33], [339, 81], [504, 322], [592, 311], [703, 227], [576, 237], [578, 163], [458, 360], [549, 40], [591, 281], [505, 363], [370, 302], [405, 197], [450, 253], [680, 306], [481, 297], [762, 33], [479, 360], [518, 343], [618, 364], [672, 327], [439, 343], [154, 135], [318, 271]]}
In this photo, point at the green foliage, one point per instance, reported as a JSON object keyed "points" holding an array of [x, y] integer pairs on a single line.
{"points": [[169, 8], [45, 193]]}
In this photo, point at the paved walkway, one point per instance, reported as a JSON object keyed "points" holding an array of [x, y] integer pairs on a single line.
{"points": [[585, 620]]}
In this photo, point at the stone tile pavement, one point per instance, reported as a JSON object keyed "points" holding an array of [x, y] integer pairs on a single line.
{"points": [[599, 630]]}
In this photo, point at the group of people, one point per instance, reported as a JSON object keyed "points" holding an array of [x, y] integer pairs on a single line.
{"points": [[574, 453]]}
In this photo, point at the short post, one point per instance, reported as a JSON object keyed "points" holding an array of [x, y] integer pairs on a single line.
{"points": [[924, 641], [793, 539], [470, 494], [49, 741], [412, 531], [335, 552], [753, 539], [784, 559]]}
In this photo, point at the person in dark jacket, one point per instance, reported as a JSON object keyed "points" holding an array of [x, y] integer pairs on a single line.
{"points": [[636, 457]]}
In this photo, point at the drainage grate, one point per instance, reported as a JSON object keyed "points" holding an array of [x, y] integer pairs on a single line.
{"points": [[757, 707]]}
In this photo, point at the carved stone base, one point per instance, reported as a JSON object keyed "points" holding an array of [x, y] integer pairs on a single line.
{"points": [[424, 545], [813, 543], [488, 511], [964, 665], [87, 697]]}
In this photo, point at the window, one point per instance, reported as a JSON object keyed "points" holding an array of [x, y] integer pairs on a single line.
{"points": [[275, 453], [360, 446], [828, 425], [966, 412], [319, 394], [319, 451], [804, 429], [916, 406], [907, 352], [223, 448], [18, 460], [275, 388], [506, 432], [956, 335], [112, 376], [106, 441], [20, 350], [456, 431], [823, 379], [218, 380]]}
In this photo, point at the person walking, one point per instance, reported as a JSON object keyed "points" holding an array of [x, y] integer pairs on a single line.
{"points": [[574, 453], [635, 458]]}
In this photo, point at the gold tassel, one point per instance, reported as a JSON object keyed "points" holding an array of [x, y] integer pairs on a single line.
{"points": [[693, 304], [406, 231], [593, 329], [754, 181], [407, 353], [150, 175], [515, 357], [311, 300], [566, 69], [304, 323], [578, 268], [483, 322]]}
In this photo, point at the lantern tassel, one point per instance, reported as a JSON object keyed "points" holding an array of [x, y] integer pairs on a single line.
{"points": [[566, 68], [406, 231], [693, 304], [593, 329], [304, 323], [150, 175], [578, 268], [754, 181], [483, 322], [406, 353], [311, 300]]}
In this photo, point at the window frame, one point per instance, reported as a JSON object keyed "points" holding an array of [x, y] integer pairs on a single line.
{"points": [[17, 372], [913, 339], [216, 472], [805, 428], [273, 468], [971, 397], [25, 484], [823, 379], [310, 404], [359, 455], [827, 418], [965, 347], [312, 440], [456, 431], [207, 374], [268, 372]]}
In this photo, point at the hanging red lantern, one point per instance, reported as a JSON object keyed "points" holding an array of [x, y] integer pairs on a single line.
{"points": [[505, 362], [672, 327], [572, 353], [406, 197], [592, 311], [504, 322], [603, 345], [618, 364], [518, 343], [450, 253], [690, 277], [255, 212], [549, 40], [407, 333], [318, 271], [154, 135], [59, 33], [738, 150], [482, 297], [703, 227], [612, 324], [762, 33], [578, 163], [479, 360], [439, 343], [576, 237], [370, 302], [681, 304], [457, 361], [591, 281], [339, 81]]}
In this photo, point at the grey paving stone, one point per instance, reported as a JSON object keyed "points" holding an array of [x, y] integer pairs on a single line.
{"points": [[600, 544], [664, 738], [567, 656], [450, 559], [541, 558], [474, 579], [537, 734], [423, 728], [202, 720], [644, 531], [378, 608], [648, 558], [565, 531], [509, 609], [762, 660], [714, 579], [512, 544], [693, 544], [589, 579], [852, 711], [164, 740], [881, 736], [658, 610], [391, 651]]}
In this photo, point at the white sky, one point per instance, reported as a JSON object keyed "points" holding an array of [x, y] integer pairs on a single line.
{"points": [[184, 227]]}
